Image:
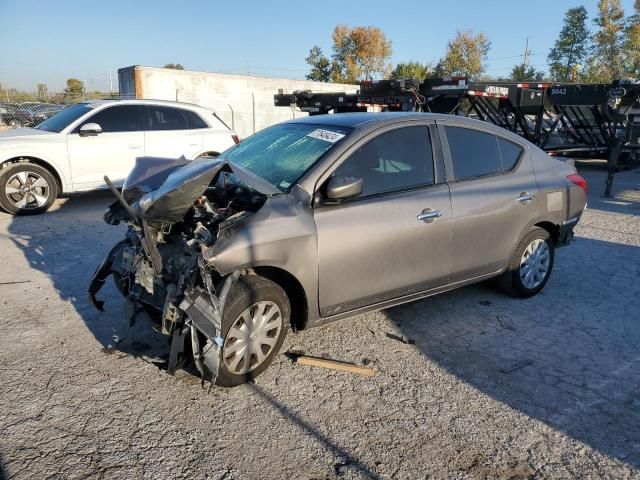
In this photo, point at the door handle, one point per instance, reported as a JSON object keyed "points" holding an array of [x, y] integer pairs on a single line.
{"points": [[134, 145], [428, 215], [194, 144], [525, 197]]}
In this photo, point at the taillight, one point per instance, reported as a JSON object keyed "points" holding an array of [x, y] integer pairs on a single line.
{"points": [[235, 139], [579, 181]]}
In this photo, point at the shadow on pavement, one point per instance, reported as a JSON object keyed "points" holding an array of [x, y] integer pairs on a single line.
{"points": [[344, 460], [569, 357], [67, 244], [3, 474]]}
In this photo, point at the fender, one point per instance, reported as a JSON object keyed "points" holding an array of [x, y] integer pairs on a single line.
{"points": [[42, 160]]}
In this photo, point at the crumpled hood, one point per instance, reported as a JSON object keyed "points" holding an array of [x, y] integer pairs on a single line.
{"points": [[164, 189], [22, 134]]}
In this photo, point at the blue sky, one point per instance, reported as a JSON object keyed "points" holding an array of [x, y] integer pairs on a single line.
{"points": [[49, 42]]}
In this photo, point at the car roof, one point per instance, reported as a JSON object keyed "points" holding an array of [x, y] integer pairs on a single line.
{"points": [[361, 118], [138, 101]]}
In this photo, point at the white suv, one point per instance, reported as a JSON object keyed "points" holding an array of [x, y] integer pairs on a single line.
{"points": [[74, 149]]}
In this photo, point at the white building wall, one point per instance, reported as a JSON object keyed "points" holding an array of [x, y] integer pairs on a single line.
{"points": [[244, 102]]}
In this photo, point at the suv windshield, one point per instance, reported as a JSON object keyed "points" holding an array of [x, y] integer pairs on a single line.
{"points": [[283, 153], [57, 122]]}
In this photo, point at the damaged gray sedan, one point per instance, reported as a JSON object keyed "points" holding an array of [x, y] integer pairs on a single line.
{"points": [[326, 217]]}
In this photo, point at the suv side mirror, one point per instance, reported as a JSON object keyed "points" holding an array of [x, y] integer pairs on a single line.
{"points": [[90, 129], [340, 188]]}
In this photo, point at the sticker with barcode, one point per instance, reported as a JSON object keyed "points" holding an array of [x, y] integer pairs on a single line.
{"points": [[326, 135]]}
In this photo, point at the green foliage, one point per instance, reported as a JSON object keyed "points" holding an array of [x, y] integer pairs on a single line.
{"points": [[632, 43], [358, 53], [320, 65], [524, 73], [415, 70], [607, 61], [466, 55], [174, 66], [572, 46]]}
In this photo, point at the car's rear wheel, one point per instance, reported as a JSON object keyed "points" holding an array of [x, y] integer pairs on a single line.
{"points": [[27, 189], [254, 325], [530, 265]]}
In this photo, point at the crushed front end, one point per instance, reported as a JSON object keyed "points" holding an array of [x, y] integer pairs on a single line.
{"points": [[175, 211]]}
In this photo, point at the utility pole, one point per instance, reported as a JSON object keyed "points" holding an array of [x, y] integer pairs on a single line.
{"points": [[110, 83], [527, 52]]}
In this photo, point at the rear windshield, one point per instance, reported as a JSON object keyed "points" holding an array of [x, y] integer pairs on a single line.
{"points": [[283, 153], [59, 121]]}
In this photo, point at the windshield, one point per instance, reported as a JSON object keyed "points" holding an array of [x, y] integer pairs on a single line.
{"points": [[57, 122], [283, 153]]}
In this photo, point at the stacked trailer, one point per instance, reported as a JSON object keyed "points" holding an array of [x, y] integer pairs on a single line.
{"points": [[583, 121]]}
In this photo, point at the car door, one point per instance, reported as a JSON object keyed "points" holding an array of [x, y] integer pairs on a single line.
{"points": [[168, 133], [395, 238], [112, 152], [493, 192]]}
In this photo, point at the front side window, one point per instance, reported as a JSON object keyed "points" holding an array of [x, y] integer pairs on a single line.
{"points": [[283, 153], [66, 116], [473, 153], [165, 118], [119, 118], [393, 160]]}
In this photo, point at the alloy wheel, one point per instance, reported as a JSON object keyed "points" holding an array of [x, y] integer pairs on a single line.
{"points": [[27, 190]]}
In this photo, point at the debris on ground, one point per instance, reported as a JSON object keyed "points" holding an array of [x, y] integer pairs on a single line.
{"points": [[505, 322], [401, 338], [517, 366], [332, 364]]}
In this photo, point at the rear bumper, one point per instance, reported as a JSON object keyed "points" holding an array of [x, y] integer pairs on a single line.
{"points": [[565, 234]]}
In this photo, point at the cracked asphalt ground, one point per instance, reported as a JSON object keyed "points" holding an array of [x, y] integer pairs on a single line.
{"points": [[483, 386]]}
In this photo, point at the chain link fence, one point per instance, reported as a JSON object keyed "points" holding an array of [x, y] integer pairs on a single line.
{"points": [[24, 109]]}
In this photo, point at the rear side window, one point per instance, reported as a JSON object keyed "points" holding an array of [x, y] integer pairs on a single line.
{"points": [[165, 118], [473, 153], [510, 154], [120, 118], [394, 160], [195, 121]]}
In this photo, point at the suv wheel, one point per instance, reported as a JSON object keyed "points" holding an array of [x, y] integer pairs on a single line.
{"points": [[26, 189], [530, 265], [255, 323]]}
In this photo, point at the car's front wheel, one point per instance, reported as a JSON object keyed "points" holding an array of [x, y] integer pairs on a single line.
{"points": [[530, 265], [26, 189], [255, 322]]}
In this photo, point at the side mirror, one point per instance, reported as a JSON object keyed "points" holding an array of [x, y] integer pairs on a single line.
{"points": [[340, 188], [90, 129]]}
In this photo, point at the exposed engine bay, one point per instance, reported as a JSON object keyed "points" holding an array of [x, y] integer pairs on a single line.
{"points": [[175, 211]]}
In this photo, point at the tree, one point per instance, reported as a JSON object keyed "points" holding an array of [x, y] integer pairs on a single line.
{"points": [[74, 87], [320, 65], [571, 47], [174, 66], [632, 43], [465, 56], [358, 52], [607, 61], [415, 70], [43, 91], [524, 73]]}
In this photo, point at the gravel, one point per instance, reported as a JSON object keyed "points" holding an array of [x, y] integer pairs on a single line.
{"points": [[468, 384]]}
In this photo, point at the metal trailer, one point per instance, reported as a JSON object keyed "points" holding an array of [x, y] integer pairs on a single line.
{"points": [[566, 119]]}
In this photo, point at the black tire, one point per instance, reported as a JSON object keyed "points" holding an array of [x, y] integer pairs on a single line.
{"points": [[51, 191], [510, 281], [248, 290]]}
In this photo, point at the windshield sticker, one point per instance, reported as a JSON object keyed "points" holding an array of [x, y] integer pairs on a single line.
{"points": [[326, 135]]}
